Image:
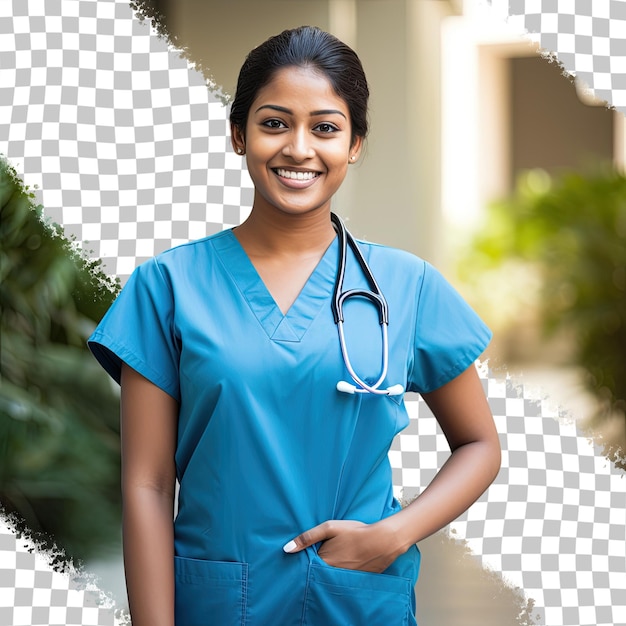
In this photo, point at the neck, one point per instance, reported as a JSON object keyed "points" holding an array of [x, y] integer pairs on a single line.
{"points": [[278, 233]]}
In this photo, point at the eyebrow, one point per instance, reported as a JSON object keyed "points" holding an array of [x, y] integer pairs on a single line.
{"points": [[275, 107]]}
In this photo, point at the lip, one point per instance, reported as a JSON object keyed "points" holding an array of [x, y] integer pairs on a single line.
{"points": [[295, 183]]}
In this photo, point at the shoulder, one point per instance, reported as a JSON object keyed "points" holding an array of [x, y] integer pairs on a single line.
{"points": [[401, 267], [379, 253], [190, 250], [406, 271], [179, 264], [184, 258]]}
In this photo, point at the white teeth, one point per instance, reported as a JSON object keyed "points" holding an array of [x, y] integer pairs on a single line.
{"points": [[296, 175]]}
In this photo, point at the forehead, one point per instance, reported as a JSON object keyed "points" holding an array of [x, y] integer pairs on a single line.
{"points": [[300, 88]]}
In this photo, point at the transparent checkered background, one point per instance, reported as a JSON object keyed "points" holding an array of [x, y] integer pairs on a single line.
{"points": [[554, 520], [32, 592], [130, 152], [128, 147], [587, 36]]}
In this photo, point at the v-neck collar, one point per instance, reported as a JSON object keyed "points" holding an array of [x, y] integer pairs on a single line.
{"points": [[315, 293]]}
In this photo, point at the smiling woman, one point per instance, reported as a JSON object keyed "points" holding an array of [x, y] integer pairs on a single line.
{"points": [[227, 353], [298, 144], [303, 143]]}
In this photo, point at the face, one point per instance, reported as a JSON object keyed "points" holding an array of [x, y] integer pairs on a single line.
{"points": [[297, 142]]}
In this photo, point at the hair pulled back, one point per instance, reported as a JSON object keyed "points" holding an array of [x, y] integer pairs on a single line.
{"points": [[306, 46]]}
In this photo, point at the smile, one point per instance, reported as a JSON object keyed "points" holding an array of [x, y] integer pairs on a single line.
{"points": [[296, 175]]}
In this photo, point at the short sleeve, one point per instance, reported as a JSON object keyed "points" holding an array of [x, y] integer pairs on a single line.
{"points": [[449, 335], [138, 330]]}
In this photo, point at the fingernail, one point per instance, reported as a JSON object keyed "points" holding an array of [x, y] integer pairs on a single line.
{"points": [[290, 547]]}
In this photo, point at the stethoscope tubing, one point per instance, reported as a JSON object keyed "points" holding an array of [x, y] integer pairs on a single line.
{"points": [[339, 296], [365, 388], [377, 298]]}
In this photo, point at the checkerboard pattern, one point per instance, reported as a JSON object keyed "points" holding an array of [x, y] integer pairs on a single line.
{"points": [[32, 592], [553, 522], [588, 37], [129, 148]]}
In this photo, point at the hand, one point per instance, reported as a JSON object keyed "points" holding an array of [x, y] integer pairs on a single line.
{"points": [[350, 544]]}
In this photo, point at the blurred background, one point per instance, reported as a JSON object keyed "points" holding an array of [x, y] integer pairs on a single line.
{"points": [[474, 136], [59, 417], [483, 159], [486, 160]]}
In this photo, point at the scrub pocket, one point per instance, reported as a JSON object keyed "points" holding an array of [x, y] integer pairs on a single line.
{"points": [[210, 592], [343, 597]]}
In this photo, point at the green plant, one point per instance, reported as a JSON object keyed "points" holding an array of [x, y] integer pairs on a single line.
{"points": [[59, 444], [572, 231]]}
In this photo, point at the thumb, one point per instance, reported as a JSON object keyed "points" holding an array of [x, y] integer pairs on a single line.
{"points": [[308, 538]]}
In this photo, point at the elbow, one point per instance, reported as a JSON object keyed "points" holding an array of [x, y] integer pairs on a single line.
{"points": [[488, 459], [493, 460]]}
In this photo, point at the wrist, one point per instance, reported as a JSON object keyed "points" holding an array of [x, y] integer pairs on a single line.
{"points": [[396, 535]]}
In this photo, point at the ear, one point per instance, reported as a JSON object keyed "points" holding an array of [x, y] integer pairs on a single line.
{"points": [[237, 139], [355, 149]]}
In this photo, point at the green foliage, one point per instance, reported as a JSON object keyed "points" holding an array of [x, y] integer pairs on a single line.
{"points": [[59, 443], [573, 231]]}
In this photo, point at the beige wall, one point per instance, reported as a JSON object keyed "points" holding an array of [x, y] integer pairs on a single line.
{"points": [[221, 32], [393, 195], [546, 111]]}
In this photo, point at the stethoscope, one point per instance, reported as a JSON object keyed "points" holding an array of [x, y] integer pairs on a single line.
{"points": [[376, 297]]}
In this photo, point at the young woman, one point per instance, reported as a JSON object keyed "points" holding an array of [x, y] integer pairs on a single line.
{"points": [[229, 357]]}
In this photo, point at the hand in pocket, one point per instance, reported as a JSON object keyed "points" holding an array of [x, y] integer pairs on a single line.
{"points": [[349, 544]]}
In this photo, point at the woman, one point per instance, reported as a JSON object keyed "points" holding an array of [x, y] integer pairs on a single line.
{"points": [[228, 357]]}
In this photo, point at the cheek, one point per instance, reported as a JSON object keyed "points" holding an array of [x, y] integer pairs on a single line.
{"points": [[341, 157], [256, 172], [341, 166], [259, 153], [256, 160]]}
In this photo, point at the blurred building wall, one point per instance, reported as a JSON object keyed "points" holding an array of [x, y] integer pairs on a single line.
{"points": [[458, 106], [394, 195], [545, 105], [505, 110]]}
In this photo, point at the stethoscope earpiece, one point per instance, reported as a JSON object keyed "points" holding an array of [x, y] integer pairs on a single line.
{"points": [[346, 387], [395, 390]]}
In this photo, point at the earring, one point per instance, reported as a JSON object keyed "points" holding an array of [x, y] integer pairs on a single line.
{"points": [[239, 150], [352, 158]]}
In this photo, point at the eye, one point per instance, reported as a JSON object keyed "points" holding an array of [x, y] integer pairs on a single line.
{"points": [[326, 127], [274, 124]]}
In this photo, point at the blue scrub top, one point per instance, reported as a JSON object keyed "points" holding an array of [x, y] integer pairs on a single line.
{"points": [[267, 447]]}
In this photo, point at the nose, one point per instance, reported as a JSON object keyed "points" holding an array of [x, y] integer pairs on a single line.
{"points": [[299, 145]]}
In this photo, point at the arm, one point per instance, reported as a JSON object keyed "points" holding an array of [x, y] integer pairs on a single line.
{"points": [[463, 413], [149, 419]]}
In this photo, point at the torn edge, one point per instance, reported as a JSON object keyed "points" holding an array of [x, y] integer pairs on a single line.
{"points": [[77, 254], [145, 12], [50, 557], [517, 22], [552, 409]]}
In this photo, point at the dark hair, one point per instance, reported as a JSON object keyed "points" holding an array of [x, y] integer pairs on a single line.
{"points": [[306, 46]]}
